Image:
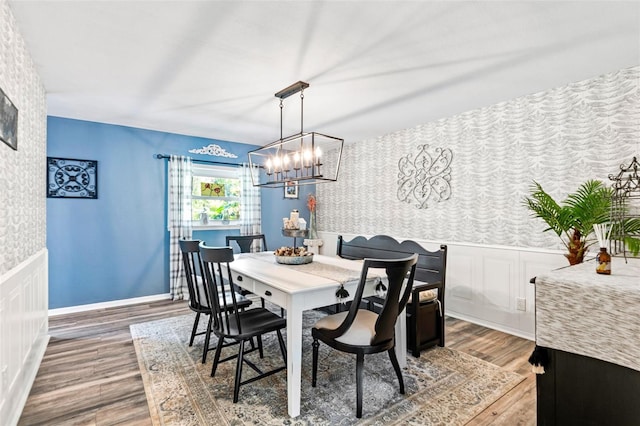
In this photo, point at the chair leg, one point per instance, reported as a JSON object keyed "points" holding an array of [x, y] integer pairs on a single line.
{"points": [[207, 340], [216, 358], [396, 366], [283, 347], [314, 372], [236, 388], [259, 337], [195, 328], [359, 368], [441, 331]]}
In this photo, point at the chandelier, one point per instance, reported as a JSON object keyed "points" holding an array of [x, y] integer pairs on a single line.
{"points": [[297, 159]]}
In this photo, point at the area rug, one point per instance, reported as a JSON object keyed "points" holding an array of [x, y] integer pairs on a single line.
{"points": [[443, 386]]}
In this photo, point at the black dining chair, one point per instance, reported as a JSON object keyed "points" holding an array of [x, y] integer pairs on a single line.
{"points": [[425, 319], [199, 296], [246, 242], [232, 324], [361, 331]]}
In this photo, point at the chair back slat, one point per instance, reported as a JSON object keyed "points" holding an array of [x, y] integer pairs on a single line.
{"points": [[199, 297], [215, 261], [248, 243], [398, 273]]}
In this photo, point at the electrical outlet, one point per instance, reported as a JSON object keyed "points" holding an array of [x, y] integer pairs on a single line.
{"points": [[521, 303]]}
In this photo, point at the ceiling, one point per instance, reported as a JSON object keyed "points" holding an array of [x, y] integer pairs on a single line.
{"points": [[211, 68]]}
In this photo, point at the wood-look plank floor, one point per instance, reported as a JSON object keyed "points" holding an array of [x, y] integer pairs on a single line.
{"points": [[90, 375]]}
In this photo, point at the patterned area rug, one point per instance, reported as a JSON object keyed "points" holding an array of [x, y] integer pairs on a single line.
{"points": [[443, 386]]}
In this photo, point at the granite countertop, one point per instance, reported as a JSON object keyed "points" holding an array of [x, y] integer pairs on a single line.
{"points": [[582, 312]]}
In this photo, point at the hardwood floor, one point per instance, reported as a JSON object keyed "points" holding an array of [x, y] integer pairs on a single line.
{"points": [[90, 375], [517, 407]]}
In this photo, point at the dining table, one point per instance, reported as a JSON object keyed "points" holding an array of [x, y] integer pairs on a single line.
{"points": [[297, 288]]}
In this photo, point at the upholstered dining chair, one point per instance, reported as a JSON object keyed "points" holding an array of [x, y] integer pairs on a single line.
{"points": [[199, 296], [361, 331], [232, 324], [425, 319]]}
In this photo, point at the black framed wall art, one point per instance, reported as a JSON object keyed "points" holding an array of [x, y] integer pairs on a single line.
{"points": [[8, 121], [291, 190], [72, 178]]}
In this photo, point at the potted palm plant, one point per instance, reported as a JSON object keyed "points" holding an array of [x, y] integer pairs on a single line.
{"points": [[573, 219]]}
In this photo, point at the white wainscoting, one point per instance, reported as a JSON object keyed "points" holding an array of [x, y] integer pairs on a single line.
{"points": [[23, 332], [484, 282]]}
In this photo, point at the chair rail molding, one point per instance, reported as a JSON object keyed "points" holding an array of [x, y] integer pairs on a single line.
{"points": [[24, 328]]}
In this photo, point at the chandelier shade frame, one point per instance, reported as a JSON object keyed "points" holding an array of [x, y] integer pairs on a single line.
{"points": [[298, 158]]}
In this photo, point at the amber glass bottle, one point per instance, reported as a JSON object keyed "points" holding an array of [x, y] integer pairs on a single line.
{"points": [[603, 262]]}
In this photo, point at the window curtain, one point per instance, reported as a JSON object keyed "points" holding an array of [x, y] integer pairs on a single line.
{"points": [[178, 220], [250, 220]]}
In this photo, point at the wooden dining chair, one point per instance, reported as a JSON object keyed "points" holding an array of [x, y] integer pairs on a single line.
{"points": [[246, 243], [425, 319], [361, 331], [232, 324], [199, 296]]}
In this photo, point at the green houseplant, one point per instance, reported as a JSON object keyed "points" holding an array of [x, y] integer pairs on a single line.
{"points": [[572, 219]]}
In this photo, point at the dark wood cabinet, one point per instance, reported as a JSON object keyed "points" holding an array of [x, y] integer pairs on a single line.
{"points": [[423, 328], [579, 390]]}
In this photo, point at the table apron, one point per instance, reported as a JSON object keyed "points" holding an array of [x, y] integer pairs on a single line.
{"points": [[305, 300]]}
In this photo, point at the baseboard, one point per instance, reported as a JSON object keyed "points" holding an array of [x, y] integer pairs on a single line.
{"points": [[110, 304], [491, 325]]}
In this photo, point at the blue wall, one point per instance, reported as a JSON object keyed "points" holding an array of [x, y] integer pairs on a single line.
{"points": [[116, 247]]}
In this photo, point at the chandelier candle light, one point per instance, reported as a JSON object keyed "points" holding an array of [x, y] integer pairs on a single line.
{"points": [[603, 259], [299, 157]]}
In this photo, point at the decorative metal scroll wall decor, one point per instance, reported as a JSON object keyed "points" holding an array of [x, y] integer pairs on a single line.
{"points": [[425, 176], [625, 204], [71, 178], [8, 121]]}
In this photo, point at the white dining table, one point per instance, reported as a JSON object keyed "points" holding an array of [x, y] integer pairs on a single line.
{"points": [[297, 288]]}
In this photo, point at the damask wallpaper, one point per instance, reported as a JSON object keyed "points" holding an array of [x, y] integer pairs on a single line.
{"points": [[22, 172], [560, 138]]}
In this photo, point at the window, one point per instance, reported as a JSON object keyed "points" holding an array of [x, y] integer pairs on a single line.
{"points": [[215, 191]]}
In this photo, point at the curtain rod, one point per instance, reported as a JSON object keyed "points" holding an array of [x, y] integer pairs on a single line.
{"points": [[161, 156]]}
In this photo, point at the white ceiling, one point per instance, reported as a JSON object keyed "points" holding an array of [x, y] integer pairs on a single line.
{"points": [[211, 68]]}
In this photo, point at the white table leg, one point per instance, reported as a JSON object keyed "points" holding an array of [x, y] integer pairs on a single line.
{"points": [[294, 359]]}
